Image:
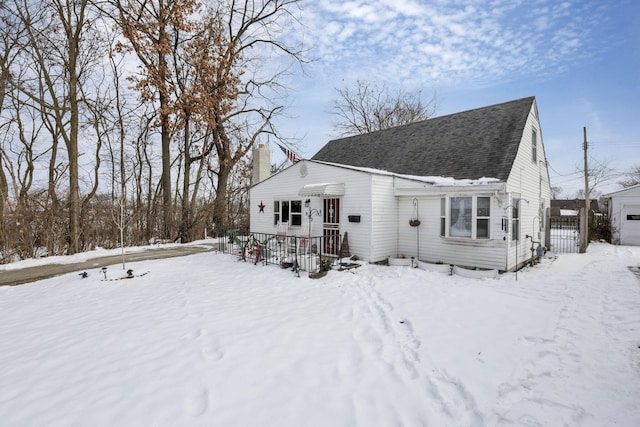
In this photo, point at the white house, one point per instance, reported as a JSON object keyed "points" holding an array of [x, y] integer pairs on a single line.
{"points": [[624, 213], [477, 181]]}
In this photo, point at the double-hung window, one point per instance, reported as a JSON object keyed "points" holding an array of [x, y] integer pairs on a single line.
{"points": [[469, 216], [483, 216], [460, 218], [443, 216], [287, 211], [534, 146], [515, 219]]}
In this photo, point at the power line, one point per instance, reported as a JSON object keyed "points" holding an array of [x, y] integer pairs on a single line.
{"points": [[568, 180], [615, 142], [561, 174]]}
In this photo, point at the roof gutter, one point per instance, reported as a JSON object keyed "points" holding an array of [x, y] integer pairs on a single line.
{"points": [[434, 190]]}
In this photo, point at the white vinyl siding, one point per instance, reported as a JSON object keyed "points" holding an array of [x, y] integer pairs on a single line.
{"points": [[425, 242], [529, 182], [385, 211], [384, 221], [286, 186], [624, 209]]}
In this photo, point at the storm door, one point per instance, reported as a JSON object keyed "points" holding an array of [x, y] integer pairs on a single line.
{"points": [[331, 226]]}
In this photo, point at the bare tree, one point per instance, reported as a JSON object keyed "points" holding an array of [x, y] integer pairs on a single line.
{"points": [[210, 86], [151, 27], [10, 30], [196, 59], [599, 173], [62, 52], [243, 91], [369, 107], [632, 177]]}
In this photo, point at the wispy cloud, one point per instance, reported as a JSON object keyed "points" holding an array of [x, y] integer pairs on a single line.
{"points": [[448, 42]]}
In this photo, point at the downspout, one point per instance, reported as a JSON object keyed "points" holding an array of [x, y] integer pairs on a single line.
{"points": [[506, 252], [415, 205], [541, 214], [506, 236], [397, 218]]}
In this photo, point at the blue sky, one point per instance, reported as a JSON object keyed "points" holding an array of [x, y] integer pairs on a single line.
{"points": [[579, 58]]}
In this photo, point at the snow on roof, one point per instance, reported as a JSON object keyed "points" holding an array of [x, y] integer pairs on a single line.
{"points": [[436, 181], [568, 212]]}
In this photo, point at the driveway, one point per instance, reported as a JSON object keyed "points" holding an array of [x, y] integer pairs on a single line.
{"points": [[32, 274]]}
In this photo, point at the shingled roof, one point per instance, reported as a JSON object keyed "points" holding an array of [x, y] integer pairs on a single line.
{"points": [[468, 145]]}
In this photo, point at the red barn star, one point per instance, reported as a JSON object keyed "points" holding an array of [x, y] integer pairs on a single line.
{"points": [[261, 206]]}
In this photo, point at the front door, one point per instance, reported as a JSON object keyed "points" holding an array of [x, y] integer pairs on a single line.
{"points": [[331, 226]]}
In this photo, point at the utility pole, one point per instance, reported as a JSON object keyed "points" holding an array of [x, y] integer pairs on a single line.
{"points": [[584, 227]]}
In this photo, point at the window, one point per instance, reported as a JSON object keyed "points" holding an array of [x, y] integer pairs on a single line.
{"points": [[443, 216], [515, 219], [287, 211], [284, 211], [460, 220], [296, 212], [469, 216], [534, 146], [483, 214]]}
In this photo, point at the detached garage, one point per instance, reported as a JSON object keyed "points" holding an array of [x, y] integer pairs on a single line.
{"points": [[624, 211]]}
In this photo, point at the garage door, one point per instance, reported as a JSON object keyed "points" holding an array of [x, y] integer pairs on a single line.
{"points": [[630, 227]]}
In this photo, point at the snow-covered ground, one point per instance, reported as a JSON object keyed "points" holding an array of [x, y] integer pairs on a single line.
{"points": [[207, 340]]}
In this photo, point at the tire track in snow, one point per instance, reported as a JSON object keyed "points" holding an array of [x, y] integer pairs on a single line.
{"points": [[391, 339], [565, 359], [521, 397], [453, 398], [395, 338]]}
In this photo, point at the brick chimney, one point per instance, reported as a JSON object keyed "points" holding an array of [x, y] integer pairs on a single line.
{"points": [[261, 164]]}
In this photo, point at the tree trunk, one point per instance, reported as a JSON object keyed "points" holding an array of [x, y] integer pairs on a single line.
{"points": [[220, 216], [51, 185], [4, 192], [4, 83], [74, 188], [73, 38], [166, 169], [185, 221], [4, 186]]}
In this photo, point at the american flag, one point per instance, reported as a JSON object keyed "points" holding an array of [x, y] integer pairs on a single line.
{"points": [[290, 154]]}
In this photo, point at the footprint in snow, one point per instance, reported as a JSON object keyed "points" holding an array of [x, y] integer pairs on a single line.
{"points": [[196, 402], [195, 334], [212, 350]]}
